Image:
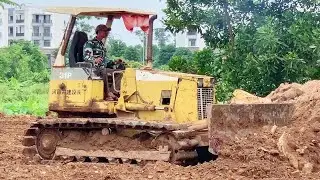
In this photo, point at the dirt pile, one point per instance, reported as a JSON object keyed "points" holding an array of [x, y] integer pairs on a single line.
{"points": [[286, 93], [270, 151], [253, 152], [300, 142]]}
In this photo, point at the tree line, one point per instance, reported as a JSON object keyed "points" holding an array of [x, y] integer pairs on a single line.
{"points": [[254, 45], [23, 61]]}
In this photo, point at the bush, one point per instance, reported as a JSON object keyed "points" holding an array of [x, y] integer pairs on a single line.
{"points": [[23, 61], [23, 97]]}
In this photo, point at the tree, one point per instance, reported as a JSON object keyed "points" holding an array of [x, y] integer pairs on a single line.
{"points": [[143, 38], [161, 36], [253, 45], [116, 47], [181, 51], [209, 62], [139, 50], [132, 53], [155, 53], [165, 54], [8, 2], [211, 18], [181, 64], [141, 35], [83, 25], [182, 61], [219, 20], [23, 61]]}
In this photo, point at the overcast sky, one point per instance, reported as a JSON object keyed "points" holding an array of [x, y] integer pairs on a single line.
{"points": [[118, 28]]}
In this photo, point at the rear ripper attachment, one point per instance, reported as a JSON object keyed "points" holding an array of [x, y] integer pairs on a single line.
{"points": [[107, 140]]}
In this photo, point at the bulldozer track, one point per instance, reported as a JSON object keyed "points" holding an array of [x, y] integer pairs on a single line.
{"points": [[32, 137], [107, 123]]}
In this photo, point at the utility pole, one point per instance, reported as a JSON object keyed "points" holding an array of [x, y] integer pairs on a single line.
{"points": [[142, 40], [144, 47]]}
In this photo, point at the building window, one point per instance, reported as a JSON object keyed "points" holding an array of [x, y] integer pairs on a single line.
{"points": [[20, 31], [36, 19], [46, 43], [10, 19], [36, 31], [36, 42], [46, 19], [10, 33], [46, 31], [19, 18], [192, 42]]}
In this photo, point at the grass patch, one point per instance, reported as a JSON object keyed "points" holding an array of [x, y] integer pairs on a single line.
{"points": [[18, 98]]}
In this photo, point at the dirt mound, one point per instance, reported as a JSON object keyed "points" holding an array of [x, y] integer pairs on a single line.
{"points": [[286, 93], [302, 138], [289, 151], [257, 153]]}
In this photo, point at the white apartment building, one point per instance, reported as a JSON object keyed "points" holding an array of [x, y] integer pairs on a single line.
{"points": [[32, 24], [190, 39]]}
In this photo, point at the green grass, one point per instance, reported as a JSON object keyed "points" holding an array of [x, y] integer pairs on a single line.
{"points": [[18, 98]]}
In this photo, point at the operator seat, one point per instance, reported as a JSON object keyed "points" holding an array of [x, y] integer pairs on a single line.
{"points": [[76, 56], [76, 48]]}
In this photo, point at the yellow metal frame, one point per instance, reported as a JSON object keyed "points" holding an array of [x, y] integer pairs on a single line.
{"points": [[137, 97]]}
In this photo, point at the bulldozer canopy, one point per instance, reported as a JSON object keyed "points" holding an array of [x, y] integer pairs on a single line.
{"points": [[97, 11], [131, 17]]}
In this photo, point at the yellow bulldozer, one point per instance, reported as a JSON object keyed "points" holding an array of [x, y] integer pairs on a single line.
{"points": [[158, 116]]}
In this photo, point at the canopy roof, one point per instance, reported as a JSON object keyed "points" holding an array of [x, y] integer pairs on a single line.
{"points": [[96, 11]]}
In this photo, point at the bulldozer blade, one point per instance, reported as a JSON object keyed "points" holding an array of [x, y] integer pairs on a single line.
{"points": [[227, 120]]}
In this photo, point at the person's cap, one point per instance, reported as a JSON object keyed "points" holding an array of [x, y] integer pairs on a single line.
{"points": [[102, 27]]}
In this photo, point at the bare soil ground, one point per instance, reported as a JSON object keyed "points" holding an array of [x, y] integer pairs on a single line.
{"points": [[13, 165], [291, 152]]}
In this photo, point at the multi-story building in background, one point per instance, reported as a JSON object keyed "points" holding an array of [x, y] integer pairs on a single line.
{"points": [[190, 39], [32, 24]]}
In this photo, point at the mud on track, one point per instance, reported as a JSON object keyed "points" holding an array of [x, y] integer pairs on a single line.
{"points": [[13, 165]]}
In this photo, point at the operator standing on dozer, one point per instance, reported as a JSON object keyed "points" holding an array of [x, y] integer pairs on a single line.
{"points": [[94, 52]]}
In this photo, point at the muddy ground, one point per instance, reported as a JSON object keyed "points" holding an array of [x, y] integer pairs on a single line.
{"points": [[13, 165]]}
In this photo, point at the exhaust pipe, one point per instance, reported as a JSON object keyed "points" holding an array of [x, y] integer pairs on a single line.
{"points": [[149, 42]]}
